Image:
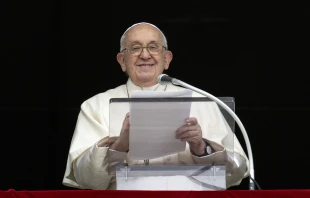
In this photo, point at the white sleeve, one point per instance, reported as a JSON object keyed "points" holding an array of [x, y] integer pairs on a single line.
{"points": [[91, 169], [236, 163], [222, 139], [87, 164]]}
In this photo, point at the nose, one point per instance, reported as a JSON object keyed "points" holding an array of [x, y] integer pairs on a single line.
{"points": [[145, 54]]}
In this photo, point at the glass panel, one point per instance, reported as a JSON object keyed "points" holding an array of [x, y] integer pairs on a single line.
{"points": [[217, 126]]}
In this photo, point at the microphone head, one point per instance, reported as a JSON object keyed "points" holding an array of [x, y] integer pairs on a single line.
{"points": [[161, 79], [164, 79]]}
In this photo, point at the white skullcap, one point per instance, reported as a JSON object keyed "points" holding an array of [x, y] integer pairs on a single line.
{"points": [[140, 24], [123, 36]]}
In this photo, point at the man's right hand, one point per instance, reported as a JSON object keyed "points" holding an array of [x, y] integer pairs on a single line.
{"points": [[122, 143]]}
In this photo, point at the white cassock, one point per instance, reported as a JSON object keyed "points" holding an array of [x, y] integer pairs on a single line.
{"points": [[88, 163]]}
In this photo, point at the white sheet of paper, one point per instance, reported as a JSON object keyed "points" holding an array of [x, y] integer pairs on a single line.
{"points": [[153, 124]]}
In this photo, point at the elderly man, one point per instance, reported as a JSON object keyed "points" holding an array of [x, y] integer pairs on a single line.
{"points": [[144, 55]]}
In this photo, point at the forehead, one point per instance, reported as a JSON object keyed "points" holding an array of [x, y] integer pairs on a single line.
{"points": [[143, 34]]}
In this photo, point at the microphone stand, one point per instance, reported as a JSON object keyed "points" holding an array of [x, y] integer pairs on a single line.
{"points": [[232, 113]]}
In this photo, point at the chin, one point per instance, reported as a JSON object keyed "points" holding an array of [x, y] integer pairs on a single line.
{"points": [[147, 80]]}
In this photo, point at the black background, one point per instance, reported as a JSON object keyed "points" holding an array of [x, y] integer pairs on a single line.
{"points": [[55, 55]]}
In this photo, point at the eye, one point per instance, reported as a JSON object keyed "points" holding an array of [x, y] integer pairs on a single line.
{"points": [[135, 48], [153, 45]]}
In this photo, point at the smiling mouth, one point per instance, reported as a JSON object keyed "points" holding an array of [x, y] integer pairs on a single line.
{"points": [[146, 65]]}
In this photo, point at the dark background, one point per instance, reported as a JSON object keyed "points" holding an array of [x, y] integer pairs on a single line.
{"points": [[55, 55]]}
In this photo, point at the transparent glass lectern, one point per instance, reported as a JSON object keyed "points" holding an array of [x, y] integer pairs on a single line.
{"points": [[156, 160]]}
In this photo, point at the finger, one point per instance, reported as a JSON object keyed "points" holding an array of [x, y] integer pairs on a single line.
{"points": [[126, 122], [192, 121], [189, 134], [191, 140], [186, 128]]}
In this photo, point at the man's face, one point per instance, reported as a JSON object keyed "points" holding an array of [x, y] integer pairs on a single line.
{"points": [[143, 69]]}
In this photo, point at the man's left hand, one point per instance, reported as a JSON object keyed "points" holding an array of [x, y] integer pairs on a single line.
{"points": [[191, 132]]}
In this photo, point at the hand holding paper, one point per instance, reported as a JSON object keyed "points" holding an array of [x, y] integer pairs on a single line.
{"points": [[191, 133], [122, 143]]}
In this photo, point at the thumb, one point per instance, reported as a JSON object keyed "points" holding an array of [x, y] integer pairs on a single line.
{"points": [[127, 115]]}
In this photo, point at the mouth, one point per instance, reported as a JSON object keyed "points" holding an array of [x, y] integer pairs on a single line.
{"points": [[145, 65]]}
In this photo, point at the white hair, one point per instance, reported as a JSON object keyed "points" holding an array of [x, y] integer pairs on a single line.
{"points": [[124, 35]]}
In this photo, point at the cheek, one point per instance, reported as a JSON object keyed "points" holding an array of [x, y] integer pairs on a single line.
{"points": [[160, 60], [130, 61], [129, 64]]}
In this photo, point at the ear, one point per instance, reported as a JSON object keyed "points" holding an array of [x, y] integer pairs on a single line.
{"points": [[168, 59], [121, 61]]}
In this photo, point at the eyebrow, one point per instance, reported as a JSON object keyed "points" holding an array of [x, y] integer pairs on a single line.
{"points": [[138, 42]]}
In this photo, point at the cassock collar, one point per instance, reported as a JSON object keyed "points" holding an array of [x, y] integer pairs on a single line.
{"points": [[131, 87]]}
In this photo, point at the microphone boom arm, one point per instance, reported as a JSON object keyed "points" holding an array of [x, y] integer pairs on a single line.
{"points": [[232, 113]]}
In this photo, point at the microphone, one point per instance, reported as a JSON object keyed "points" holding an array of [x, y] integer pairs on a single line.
{"points": [[164, 79]]}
